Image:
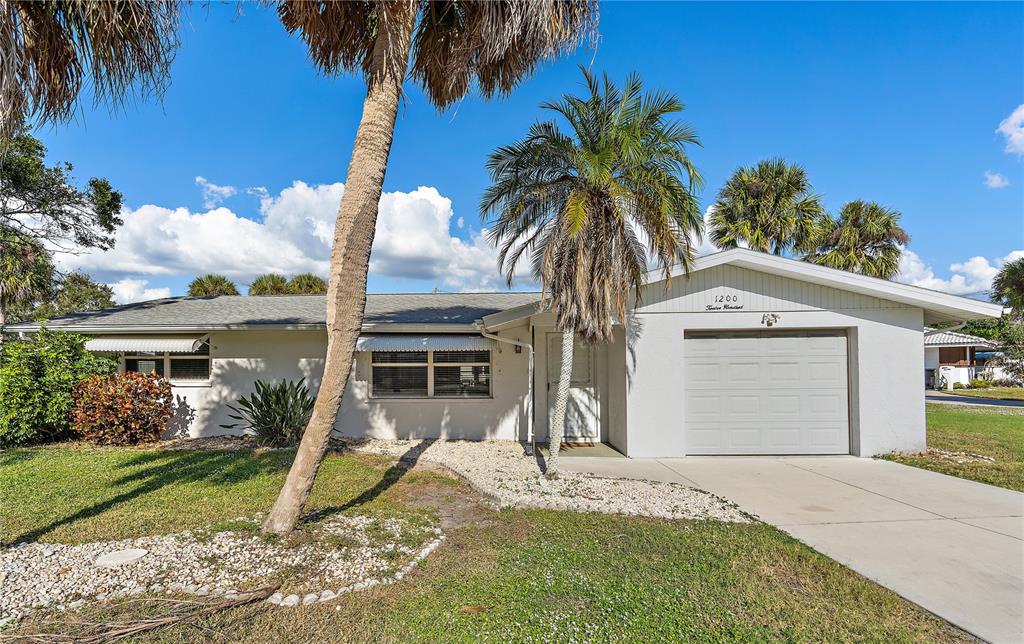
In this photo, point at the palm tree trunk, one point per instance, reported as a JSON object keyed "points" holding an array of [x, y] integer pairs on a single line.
{"points": [[350, 256], [556, 428]]}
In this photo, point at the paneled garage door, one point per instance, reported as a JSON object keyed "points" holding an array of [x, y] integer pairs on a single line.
{"points": [[766, 393]]}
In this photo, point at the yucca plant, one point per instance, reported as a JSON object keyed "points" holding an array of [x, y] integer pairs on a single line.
{"points": [[276, 414]]}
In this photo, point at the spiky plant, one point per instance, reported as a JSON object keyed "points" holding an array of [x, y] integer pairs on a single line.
{"points": [[447, 48], [769, 207], [866, 239], [307, 284], [211, 285], [588, 206], [269, 284]]}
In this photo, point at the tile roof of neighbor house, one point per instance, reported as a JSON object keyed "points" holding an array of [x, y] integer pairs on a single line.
{"points": [[228, 311], [937, 338]]}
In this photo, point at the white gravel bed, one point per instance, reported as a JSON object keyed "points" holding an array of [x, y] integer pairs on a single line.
{"points": [[501, 470], [344, 553]]}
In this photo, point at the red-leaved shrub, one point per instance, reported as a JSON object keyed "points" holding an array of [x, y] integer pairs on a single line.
{"points": [[122, 408]]}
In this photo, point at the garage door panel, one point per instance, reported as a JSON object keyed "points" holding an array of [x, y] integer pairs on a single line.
{"points": [[768, 393]]}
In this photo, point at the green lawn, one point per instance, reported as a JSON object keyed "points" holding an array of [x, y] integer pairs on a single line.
{"points": [[507, 576], [996, 432], [998, 393]]}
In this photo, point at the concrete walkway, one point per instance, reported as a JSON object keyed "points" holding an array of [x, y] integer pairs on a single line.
{"points": [[953, 546], [953, 399]]}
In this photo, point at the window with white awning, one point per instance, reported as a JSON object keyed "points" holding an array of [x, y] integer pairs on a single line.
{"points": [[428, 366]]}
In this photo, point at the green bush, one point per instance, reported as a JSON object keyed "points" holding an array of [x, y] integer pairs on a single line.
{"points": [[958, 385], [980, 383], [276, 414], [37, 378], [122, 408]]}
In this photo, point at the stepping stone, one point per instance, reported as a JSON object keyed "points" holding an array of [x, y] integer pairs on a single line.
{"points": [[290, 600], [120, 557]]}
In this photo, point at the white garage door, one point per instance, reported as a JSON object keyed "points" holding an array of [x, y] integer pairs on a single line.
{"points": [[766, 393]]}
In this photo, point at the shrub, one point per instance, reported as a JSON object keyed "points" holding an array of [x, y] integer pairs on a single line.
{"points": [[980, 383], [958, 385], [37, 380], [122, 408], [276, 414]]}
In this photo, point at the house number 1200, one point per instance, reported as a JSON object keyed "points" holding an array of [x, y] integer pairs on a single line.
{"points": [[726, 298]]}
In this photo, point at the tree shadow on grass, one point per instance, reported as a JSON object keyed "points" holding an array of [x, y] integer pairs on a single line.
{"points": [[155, 470], [391, 476], [158, 469]]}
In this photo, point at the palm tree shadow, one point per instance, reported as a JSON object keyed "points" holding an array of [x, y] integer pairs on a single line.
{"points": [[159, 469], [391, 476]]}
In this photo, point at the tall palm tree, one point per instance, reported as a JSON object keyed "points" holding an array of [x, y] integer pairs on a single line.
{"points": [[269, 284], [26, 271], [445, 47], [866, 239], [768, 207], [50, 50], [211, 285], [590, 205], [307, 284], [1008, 286]]}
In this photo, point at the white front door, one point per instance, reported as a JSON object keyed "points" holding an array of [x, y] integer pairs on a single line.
{"points": [[582, 412]]}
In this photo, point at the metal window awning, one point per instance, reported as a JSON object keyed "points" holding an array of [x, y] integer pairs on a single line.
{"points": [[145, 344], [423, 343]]}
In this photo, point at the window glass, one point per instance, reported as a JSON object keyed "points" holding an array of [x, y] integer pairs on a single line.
{"points": [[380, 357], [462, 356], [399, 381], [190, 369], [466, 380], [145, 365]]}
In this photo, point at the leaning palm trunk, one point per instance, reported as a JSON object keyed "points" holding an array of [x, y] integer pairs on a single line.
{"points": [[556, 430], [350, 257]]}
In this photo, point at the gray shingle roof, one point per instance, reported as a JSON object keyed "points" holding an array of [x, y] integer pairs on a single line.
{"points": [[203, 313], [935, 338]]}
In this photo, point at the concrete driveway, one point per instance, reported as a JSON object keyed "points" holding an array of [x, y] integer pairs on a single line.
{"points": [[953, 546]]}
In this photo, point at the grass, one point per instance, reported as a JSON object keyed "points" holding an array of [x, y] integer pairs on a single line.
{"points": [[994, 432], [509, 576], [997, 393], [80, 494]]}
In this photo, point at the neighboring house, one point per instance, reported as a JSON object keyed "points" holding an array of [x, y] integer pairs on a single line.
{"points": [[951, 357], [750, 354]]}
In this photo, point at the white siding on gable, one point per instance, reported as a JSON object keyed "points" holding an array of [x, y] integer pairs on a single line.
{"points": [[731, 288]]}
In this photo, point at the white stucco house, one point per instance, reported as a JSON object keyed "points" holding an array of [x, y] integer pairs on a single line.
{"points": [[748, 354]]}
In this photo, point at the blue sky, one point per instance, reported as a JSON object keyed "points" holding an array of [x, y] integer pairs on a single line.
{"points": [[897, 103]]}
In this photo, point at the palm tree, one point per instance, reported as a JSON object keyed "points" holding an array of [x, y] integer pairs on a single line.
{"points": [[768, 207], [210, 285], [26, 272], [446, 48], [307, 284], [866, 239], [589, 206], [269, 284], [50, 50], [1008, 286]]}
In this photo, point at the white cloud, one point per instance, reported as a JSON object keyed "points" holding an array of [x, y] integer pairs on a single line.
{"points": [[995, 180], [293, 235], [460, 222], [214, 194], [971, 276], [1012, 127], [130, 290]]}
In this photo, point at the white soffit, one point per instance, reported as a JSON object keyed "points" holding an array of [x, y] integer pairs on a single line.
{"points": [[144, 344], [423, 343]]}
